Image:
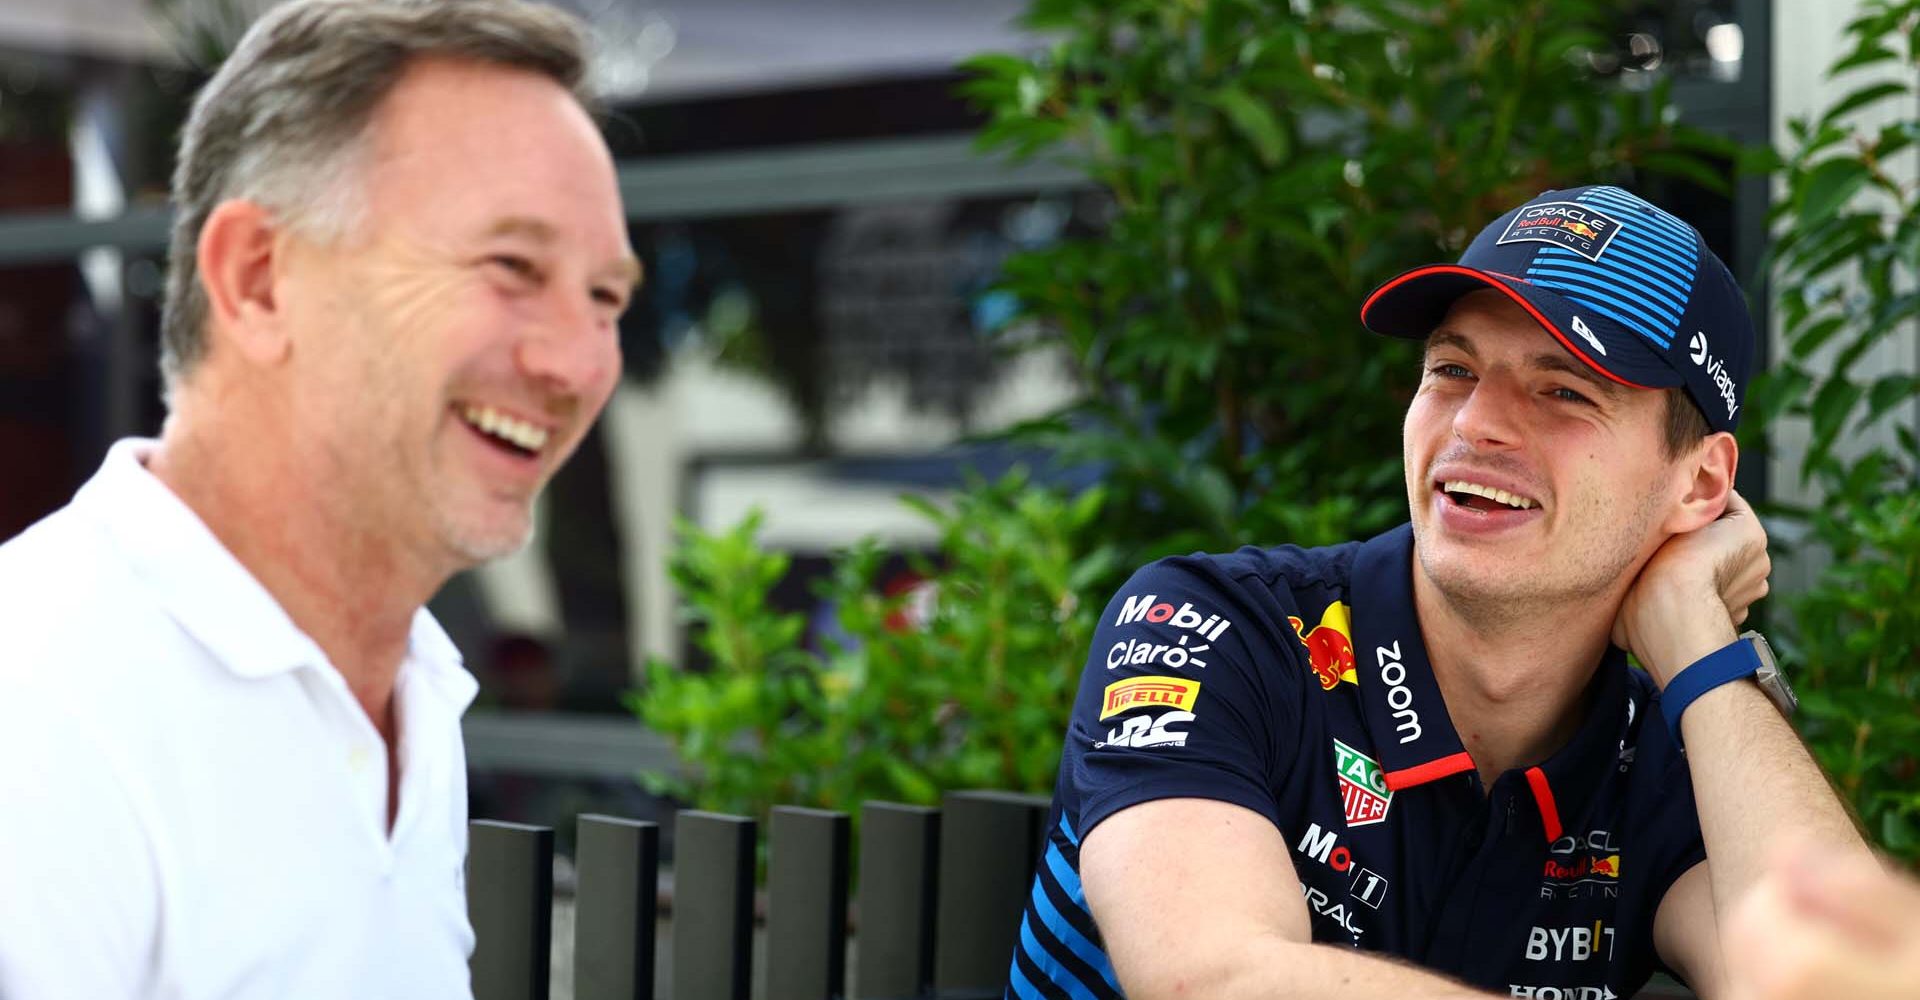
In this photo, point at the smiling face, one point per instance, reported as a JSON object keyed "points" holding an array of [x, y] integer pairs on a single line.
{"points": [[450, 355], [1531, 478]]}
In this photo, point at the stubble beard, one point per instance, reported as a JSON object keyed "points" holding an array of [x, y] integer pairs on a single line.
{"points": [[475, 537], [1497, 602]]}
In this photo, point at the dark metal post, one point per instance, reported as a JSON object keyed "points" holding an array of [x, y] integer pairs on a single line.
{"points": [[807, 904], [615, 908], [988, 848], [899, 869], [713, 873], [510, 903]]}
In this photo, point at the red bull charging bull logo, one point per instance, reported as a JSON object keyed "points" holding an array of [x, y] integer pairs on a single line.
{"points": [[1597, 866], [1329, 645]]}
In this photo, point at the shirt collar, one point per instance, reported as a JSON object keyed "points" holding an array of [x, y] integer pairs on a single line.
{"points": [[212, 596], [1399, 698]]}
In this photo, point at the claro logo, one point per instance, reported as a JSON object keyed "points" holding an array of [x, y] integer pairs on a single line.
{"points": [[1399, 698]]}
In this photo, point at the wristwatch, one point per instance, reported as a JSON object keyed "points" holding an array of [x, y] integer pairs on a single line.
{"points": [[1747, 656]]}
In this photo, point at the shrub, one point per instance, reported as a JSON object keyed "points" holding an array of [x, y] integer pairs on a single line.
{"points": [[1847, 265], [1266, 163]]}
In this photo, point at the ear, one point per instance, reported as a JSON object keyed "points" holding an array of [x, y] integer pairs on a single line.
{"points": [[1706, 478], [238, 250]]}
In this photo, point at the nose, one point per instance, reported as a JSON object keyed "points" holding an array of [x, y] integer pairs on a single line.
{"points": [[1490, 416], [574, 349]]}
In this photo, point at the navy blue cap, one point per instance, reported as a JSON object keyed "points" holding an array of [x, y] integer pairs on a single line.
{"points": [[1625, 286]]}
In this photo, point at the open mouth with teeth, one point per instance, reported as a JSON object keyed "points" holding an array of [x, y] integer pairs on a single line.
{"points": [[1474, 496], [508, 433]]}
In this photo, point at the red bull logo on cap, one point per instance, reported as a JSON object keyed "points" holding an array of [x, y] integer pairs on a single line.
{"points": [[1329, 645], [1579, 227]]}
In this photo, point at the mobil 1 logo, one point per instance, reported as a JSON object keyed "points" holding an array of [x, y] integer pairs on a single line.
{"points": [[1195, 634]]}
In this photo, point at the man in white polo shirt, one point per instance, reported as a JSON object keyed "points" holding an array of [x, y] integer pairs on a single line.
{"points": [[230, 757]]}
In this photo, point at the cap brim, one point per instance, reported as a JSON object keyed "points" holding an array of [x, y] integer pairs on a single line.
{"points": [[1413, 304]]}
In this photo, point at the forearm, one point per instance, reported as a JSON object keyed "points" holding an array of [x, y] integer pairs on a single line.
{"points": [[1276, 968], [1755, 784]]}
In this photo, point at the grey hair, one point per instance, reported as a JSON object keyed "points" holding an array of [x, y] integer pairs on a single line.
{"points": [[283, 122]]}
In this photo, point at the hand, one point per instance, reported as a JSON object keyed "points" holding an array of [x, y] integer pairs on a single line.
{"points": [[1817, 926], [1693, 593]]}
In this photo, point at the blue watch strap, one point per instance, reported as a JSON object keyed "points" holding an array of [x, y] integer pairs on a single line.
{"points": [[1731, 662]]}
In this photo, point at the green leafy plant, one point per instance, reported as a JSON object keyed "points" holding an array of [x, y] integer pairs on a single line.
{"points": [[961, 683], [1847, 269], [1269, 162], [1265, 163]]}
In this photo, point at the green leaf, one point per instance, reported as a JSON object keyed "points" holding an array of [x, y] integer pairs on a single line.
{"points": [[1255, 121], [1831, 406], [1869, 52], [1865, 97], [1889, 391], [1810, 339], [1828, 187]]}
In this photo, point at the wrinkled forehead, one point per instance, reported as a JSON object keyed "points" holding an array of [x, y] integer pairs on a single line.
{"points": [[490, 139]]}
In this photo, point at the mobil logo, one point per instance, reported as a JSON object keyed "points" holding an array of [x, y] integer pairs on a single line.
{"points": [[1151, 609]]}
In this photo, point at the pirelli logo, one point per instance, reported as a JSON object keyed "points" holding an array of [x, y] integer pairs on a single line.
{"points": [[1149, 692]]}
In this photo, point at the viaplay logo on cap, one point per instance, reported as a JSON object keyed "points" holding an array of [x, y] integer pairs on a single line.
{"points": [[1581, 228], [1716, 370]]}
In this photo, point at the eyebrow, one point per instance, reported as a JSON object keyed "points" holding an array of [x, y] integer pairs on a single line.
{"points": [[1553, 362], [1444, 337], [631, 273]]}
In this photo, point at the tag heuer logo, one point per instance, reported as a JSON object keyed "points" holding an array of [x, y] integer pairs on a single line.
{"points": [[1363, 785]]}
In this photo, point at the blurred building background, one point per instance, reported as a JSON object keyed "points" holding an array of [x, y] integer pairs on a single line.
{"points": [[813, 339]]}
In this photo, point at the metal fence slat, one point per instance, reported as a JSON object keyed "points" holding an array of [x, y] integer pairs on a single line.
{"points": [[807, 904], [510, 904], [899, 867], [988, 846], [713, 874], [615, 908]]}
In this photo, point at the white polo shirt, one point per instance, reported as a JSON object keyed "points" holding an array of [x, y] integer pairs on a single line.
{"points": [[192, 804]]}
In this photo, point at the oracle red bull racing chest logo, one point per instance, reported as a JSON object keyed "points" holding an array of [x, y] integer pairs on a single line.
{"points": [[1580, 866], [1329, 645], [1363, 786], [1583, 229]]}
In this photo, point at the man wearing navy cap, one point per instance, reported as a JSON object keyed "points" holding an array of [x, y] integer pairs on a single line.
{"points": [[1420, 765]]}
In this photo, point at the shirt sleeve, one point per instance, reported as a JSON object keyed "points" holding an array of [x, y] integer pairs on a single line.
{"points": [[78, 891], [1672, 829], [1183, 695]]}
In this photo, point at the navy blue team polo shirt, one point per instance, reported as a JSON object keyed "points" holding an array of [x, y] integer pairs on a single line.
{"points": [[1294, 682]]}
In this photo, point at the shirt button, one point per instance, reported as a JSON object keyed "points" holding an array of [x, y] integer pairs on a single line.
{"points": [[357, 760]]}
